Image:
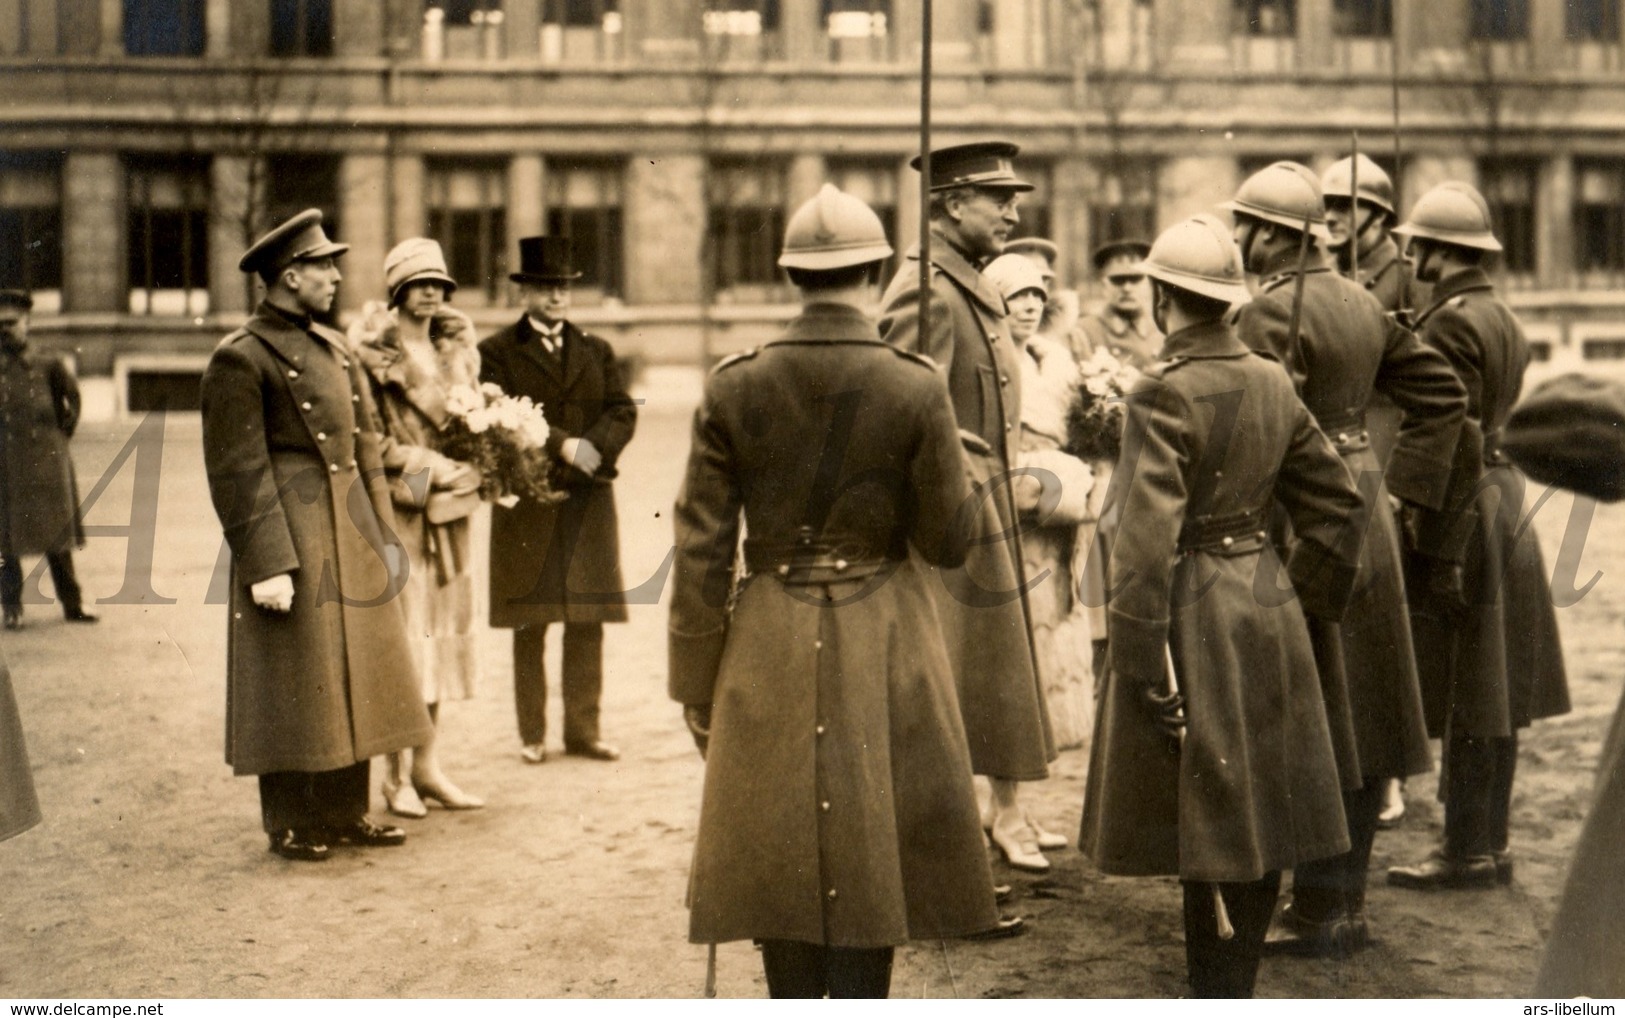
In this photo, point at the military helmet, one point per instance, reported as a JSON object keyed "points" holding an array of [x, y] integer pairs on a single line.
{"points": [[1283, 193], [833, 230], [1452, 213], [1199, 255], [1375, 185]]}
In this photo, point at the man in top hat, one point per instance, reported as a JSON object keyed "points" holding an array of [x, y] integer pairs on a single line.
{"points": [[560, 563], [39, 497], [319, 673], [974, 193], [1122, 324]]}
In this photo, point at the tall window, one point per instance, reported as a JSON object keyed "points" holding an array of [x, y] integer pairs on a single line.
{"points": [[467, 29], [1123, 204], [1509, 185], [874, 182], [1363, 19], [295, 181], [746, 223], [1015, 33], [1498, 19], [1122, 35], [1276, 18], [1034, 206], [302, 28], [468, 215], [584, 204], [31, 225], [167, 233], [163, 28], [1591, 20], [1599, 216], [858, 30], [577, 30], [743, 29]]}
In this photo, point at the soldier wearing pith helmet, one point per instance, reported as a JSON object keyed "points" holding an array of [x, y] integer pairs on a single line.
{"points": [[319, 675], [1487, 641], [838, 818], [1213, 759]]}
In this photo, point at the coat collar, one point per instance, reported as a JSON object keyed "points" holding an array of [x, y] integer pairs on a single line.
{"points": [[530, 344], [1280, 279], [1451, 287], [1378, 262], [1206, 340], [287, 339], [947, 259], [830, 323], [1118, 327], [382, 354]]}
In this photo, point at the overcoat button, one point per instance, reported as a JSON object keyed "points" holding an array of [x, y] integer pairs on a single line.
{"points": [[784, 570], [819, 730], [840, 565], [321, 436], [1227, 542], [1342, 437], [292, 373], [332, 468], [832, 894], [305, 405], [824, 805]]}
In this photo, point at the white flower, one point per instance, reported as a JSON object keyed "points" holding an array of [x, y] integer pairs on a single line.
{"points": [[491, 389], [461, 400], [479, 421], [1098, 385], [535, 430]]}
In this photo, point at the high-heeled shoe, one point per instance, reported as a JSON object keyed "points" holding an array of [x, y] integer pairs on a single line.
{"points": [[1021, 852], [403, 801], [449, 796], [1048, 841]]}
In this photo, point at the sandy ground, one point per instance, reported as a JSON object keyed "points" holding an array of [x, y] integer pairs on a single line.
{"points": [[150, 877]]}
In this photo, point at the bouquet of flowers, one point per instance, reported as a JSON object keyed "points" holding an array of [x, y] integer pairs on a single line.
{"points": [[505, 437], [1094, 424]]}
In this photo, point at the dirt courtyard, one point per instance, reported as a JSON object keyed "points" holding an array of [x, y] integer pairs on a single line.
{"points": [[150, 877]]}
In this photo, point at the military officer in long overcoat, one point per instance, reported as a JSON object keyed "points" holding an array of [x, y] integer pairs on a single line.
{"points": [[1213, 759], [1342, 349], [319, 677], [560, 562], [1487, 642], [39, 497], [983, 605], [839, 818]]}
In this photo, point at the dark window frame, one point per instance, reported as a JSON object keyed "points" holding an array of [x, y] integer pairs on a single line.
{"points": [[1591, 21], [745, 235], [173, 28], [1363, 19], [1498, 20], [166, 248], [301, 28], [474, 239], [1247, 17], [1599, 229], [1515, 223], [31, 234], [602, 258]]}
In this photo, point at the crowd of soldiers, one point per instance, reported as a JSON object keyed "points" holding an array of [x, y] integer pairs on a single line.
{"points": [[1315, 566]]}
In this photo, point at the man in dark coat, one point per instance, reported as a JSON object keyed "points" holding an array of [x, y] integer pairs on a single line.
{"points": [[1122, 324], [19, 808], [983, 603], [1487, 642], [839, 818], [1340, 347], [1213, 759], [319, 675], [39, 499], [560, 562]]}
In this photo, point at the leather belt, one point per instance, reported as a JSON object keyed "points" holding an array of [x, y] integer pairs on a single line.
{"points": [[1347, 432], [1240, 534], [807, 561]]}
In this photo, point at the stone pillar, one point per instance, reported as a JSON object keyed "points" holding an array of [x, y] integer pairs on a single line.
{"points": [[358, 29], [1315, 39], [42, 27], [79, 27], [1197, 32], [112, 44], [230, 201], [13, 37], [217, 15], [1435, 30], [527, 208], [665, 210], [908, 207], [1424, 171], [954, 34], [905, 29], [522, 24], [803, 30], [93, 204], [1548, 36], [671, 28], [806, 175], [408, 193], [364, 210], [1069, 216], [251, 30], [1554, 221], [1191, 184]]}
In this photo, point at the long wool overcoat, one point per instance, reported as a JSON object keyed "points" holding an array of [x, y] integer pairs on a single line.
{"points": [[561, 563], [1496, 664], [19, 808], [838, 802], [290, 444], [983, 604], [1345, 350], [39, 496], [1254, 786]]}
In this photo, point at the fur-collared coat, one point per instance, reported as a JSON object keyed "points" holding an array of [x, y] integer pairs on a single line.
{"points": [[411, 397]]}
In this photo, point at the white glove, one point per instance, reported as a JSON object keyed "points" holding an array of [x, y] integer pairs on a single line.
{"points": [[274, 594], [581, 454]]}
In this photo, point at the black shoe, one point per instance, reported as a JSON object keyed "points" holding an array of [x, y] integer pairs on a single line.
{"points": [[80, 615], [303, 846], [1439, 871], [593, 751], [1008, 926], [1332, 937], [1503, 866], [367, 834], [14, 618]]}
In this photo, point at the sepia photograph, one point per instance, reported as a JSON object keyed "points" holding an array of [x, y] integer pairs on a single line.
{"points": [[683, 499]]}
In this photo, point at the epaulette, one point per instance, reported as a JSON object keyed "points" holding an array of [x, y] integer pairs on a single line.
{"points": [[910, 355], [732, 359], [232, 337], [1158, 369]]}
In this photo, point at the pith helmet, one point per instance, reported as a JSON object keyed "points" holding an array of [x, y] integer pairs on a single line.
{"points": [[1283, 193], [1452, 213], [833, 230], [1199, 255], [1013, 273], [1375, 185]]}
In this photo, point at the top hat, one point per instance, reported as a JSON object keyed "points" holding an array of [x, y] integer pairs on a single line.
{"points": [[1136, 249], [544, 260], [16, 299], [415, 261], [300, 239], [978, 164]]}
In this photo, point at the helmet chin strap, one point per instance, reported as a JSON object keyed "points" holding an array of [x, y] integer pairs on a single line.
{"points": [[1159, 306], [1249, 234]]}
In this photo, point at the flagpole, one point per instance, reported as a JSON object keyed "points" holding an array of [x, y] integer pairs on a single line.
{"points": [[925, 168]]}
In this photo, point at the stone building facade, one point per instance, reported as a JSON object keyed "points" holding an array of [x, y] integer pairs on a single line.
{"points": [[143, 141]]}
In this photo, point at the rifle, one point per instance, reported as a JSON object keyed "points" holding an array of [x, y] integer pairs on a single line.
{"points": [[1354, 208]]}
